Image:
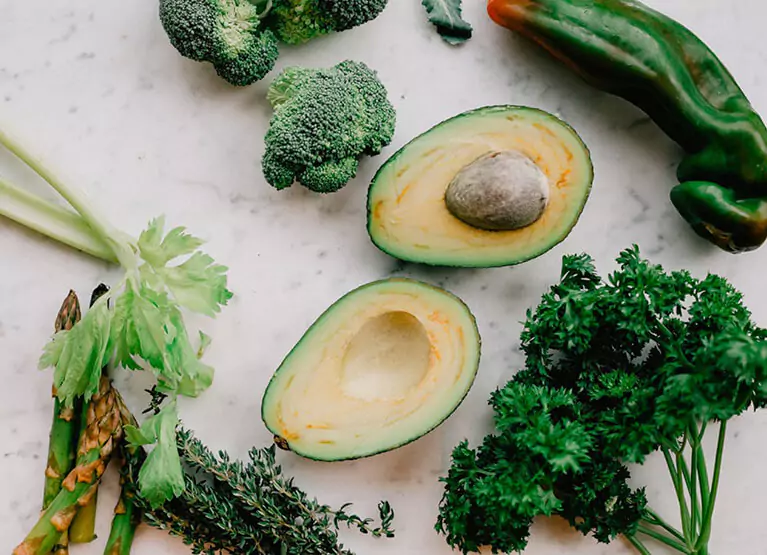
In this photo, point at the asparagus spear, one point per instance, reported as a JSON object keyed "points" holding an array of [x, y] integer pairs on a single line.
{"points": [[62, 443], [127, 516], [83, 527], [126, 519], [102, 433]]}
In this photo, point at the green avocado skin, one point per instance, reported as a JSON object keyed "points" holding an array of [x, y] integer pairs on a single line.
{"points": [[285, 445], [511, 258], [627, 49]]}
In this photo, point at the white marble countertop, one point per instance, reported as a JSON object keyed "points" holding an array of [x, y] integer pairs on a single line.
{"points": [[95, 89]]}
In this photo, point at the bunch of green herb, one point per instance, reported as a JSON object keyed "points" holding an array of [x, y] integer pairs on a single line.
{"points": [[643, 362], [251, 508], [239, 507], [138, 323]]}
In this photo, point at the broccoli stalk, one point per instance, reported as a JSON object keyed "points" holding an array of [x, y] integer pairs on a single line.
{"points": [[324, 121]]}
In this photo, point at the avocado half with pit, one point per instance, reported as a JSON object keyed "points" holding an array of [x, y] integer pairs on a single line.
{"points": [[495, 186], [383, 366]]}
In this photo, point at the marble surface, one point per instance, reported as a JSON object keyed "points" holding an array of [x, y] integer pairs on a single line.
{"points": [[96, 90]]}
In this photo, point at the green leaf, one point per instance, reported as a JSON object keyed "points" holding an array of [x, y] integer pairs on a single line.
{"points": [[158, 250], [52, 350], [161, 477], [81, 355], [140, 328], [446, 16], [195, 377], [205, 341], [140, 436], [198, 284]]}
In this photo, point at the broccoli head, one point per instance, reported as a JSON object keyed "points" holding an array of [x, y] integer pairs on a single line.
{"points": [[230, 34], [324, 121], [298, 21]]}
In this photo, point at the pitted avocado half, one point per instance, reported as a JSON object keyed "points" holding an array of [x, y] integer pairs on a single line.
{"points": [[495, 186], [384, 365]]}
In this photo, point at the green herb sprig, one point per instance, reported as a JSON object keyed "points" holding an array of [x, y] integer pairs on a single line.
{"points": [[249, 507]]}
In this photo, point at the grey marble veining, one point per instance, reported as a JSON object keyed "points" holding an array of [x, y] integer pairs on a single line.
{"points": [[95, 89]]}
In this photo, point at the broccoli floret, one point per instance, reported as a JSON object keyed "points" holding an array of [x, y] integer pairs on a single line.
{"points": [[298, 21], [324, 121], [230, 34]]}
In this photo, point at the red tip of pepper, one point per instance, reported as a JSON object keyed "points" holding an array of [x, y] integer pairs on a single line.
{"points": [[508, 13]]}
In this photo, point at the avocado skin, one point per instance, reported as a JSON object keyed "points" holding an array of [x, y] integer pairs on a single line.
{"points": [[511, 261], [285, 445]]}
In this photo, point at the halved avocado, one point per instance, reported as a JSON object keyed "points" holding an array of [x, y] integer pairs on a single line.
{"points": [[384, 365], [410, 218]]}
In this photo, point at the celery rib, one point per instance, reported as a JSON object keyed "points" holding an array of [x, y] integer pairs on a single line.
{"points": [[53, 221]]}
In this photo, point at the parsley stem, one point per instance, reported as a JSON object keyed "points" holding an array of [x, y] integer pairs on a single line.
{"points": [[638, 545], [705, 533], [697, 509], [655, 520], [663, 538], [703, 478], [685, 470], [677, 478], [702, 432]]}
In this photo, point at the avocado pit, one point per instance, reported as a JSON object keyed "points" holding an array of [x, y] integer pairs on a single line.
{"points": [[499, 191]]}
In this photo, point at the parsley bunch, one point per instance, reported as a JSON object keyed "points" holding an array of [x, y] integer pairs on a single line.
{"points": [[615, 370]]}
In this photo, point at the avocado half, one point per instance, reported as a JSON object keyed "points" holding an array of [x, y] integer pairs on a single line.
{"points": [[384, 365], [408, 216]]}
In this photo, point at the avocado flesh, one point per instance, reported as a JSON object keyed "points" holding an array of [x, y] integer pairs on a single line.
{"points": [[407, 214], [384, 365]]}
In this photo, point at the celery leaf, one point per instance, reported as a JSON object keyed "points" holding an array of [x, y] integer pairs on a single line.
{"points": [[158, 250], [198, 284], [161, 477], [81, 354]]}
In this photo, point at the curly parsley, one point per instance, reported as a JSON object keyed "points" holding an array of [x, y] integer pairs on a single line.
{"points": [[616, 369]]}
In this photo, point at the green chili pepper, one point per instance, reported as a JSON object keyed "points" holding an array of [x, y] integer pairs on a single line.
{"points": [[627, 49]]}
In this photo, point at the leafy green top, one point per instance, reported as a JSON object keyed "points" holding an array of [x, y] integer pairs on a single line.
{"points": [[615, 370], [139, 324]]}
